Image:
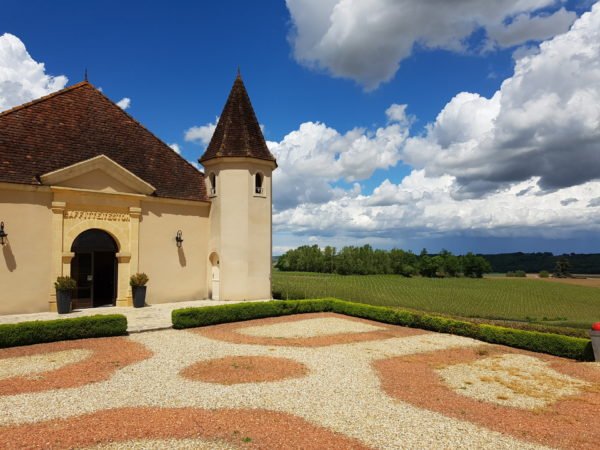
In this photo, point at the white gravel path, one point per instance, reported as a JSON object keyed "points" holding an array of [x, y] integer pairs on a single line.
{"points": [[30, 365], [342, 392], [309, 328]]}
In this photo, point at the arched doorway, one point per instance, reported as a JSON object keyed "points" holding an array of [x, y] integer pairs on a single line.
{"points": [[94, 267], [215, 277]]}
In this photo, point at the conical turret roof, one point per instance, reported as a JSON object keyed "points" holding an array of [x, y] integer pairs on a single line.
{"points": [[238, 132]]}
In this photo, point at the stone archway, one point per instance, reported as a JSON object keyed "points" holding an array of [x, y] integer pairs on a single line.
{"points": [[215, 276], [120, 231], [94, 267], [122, 224]]}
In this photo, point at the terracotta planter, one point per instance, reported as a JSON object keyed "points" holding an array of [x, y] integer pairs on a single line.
{"points": [[63, 302], [595, 336], [139, 296]]}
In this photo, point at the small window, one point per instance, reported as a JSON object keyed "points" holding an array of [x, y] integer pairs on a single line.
{"points": [[258, 184], [213, 184]]}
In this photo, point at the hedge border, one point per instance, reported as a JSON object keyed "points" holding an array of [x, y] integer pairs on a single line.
{"points": [[41, 331], [552, 344]]}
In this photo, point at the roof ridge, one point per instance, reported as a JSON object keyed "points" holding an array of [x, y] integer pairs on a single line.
{"points": [[46, 97]]}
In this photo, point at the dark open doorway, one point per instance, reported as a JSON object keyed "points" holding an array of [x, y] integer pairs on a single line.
{"points": [[94, 267]]}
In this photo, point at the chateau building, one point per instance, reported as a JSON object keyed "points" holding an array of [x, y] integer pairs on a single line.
{"points": [[87, 191]]}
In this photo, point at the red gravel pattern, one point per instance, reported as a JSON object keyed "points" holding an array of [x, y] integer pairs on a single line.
{"points": [[244, 369], [254, 429], [109, 355], [229, 332], [341, 392], [571, 422]]}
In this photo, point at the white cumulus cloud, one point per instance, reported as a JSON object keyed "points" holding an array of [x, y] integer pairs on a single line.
{"points": [[124, 103], [543, 122], [527, 27], [424, 207], [521, 163], [366, 40], [201, 134], [23, 79], [313, 157], [175, 147]]}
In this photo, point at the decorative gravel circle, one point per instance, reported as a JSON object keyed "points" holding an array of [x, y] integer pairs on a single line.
{"points": [[240, 427], [283, 331], [244, 369], [310, 327], [102, 358], [569, 420], [519, 381]]}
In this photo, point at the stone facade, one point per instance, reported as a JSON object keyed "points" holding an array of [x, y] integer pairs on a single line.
{"points": [[226, 236]]}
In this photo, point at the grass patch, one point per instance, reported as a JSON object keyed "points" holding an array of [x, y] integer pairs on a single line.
{"points": [[488, 298], [39, 331], [553, 344]]}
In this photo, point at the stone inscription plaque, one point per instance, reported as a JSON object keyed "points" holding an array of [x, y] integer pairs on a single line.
{"points": [[97, 215]]}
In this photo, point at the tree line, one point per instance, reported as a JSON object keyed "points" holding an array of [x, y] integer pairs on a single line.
{"points": [[365, 260], [580, 263]]}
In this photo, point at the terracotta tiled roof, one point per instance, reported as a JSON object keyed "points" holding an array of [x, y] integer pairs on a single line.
{"points": [[238, 132], [79, 123]]}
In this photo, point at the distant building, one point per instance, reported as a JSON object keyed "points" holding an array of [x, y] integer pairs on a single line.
{"points": [[87, 191]]}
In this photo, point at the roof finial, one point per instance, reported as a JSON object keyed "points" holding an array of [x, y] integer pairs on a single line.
{"points": [[239, 73], [85, 77]]}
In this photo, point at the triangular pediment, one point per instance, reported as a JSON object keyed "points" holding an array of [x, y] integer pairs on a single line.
{"points": [[100, 174]]}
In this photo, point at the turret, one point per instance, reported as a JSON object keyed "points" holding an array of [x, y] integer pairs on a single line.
{"points": [[238, 167]]}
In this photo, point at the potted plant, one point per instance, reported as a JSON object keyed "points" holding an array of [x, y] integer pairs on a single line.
{"points": [[138, 287], [64, 291]]}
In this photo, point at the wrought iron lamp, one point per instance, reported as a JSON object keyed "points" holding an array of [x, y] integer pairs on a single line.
{"points": [[3, 235], [179, 239]]}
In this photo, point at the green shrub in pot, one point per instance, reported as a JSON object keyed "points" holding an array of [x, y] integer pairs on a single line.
{"points": [[138, 283], [64, 293]]}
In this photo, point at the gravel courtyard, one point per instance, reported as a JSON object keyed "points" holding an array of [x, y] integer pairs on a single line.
{"points": [[312, 381]]}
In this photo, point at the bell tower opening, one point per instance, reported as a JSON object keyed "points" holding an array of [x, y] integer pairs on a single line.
{"points": [[258, 183], [94, 268]]}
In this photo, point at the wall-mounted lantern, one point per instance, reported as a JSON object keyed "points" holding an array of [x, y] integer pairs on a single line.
{"points": [[3, 235], [179, 239]]}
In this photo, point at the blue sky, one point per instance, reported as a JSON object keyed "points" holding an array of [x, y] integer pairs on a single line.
{"points": [[316, 63], [177, 64]]}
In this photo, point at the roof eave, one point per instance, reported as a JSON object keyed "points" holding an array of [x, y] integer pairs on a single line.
{"points": [[272, 161]]}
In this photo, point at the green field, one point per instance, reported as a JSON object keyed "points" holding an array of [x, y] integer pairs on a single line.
{"points": [[488, 298]]}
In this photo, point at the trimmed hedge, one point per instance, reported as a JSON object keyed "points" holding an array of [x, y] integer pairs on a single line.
{"points": [[553, 344], [532, 326], [236, 312], [39, 331]]}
